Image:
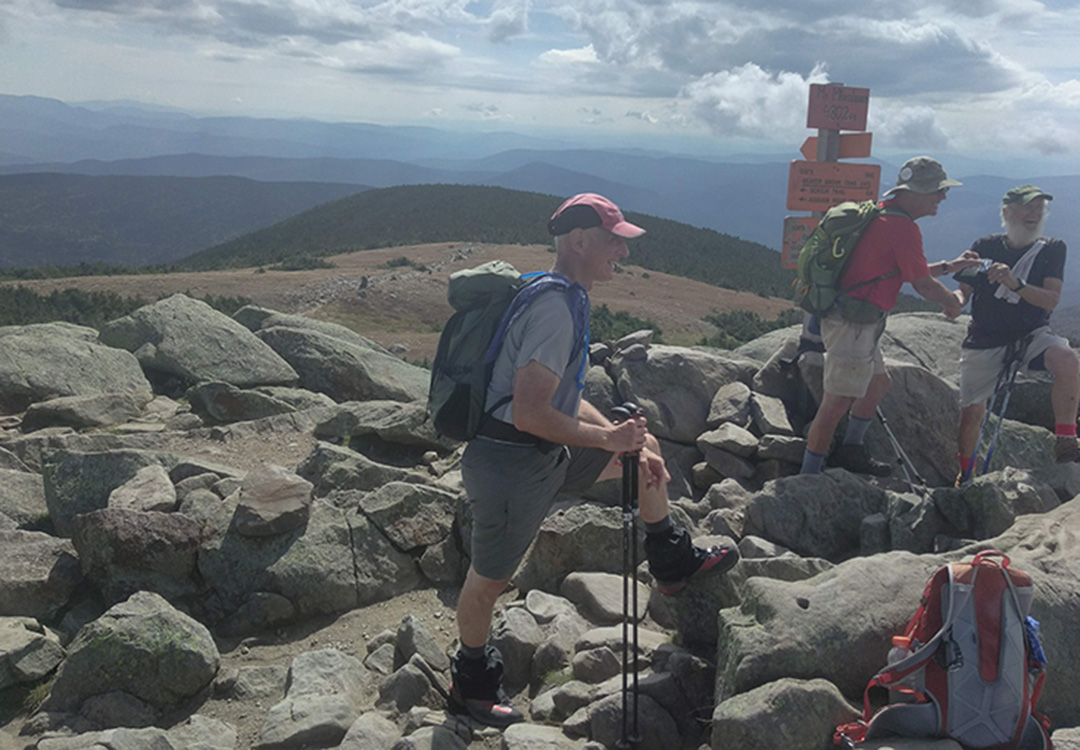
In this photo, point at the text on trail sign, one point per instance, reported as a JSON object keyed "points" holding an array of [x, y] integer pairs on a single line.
{"points": [[837, 107], [820, 185], [796, 230]]}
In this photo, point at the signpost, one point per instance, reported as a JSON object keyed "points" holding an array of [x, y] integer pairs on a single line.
{"points": [[819, 183]]}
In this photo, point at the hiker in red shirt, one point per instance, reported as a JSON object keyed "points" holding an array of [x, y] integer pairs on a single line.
{"points": [[888, 254]]}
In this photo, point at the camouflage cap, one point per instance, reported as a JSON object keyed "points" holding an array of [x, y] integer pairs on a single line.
{"points": [[922, 174], [1025, 194]]}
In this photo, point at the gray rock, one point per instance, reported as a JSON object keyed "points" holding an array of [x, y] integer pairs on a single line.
{"points": [[298, 398], [731, 438], [256, 318], [411, 515], [656, 725], [196, 731], [330, 467], [556, 651], [124, 551], [751, 547], [391, 422], [782, 447], [77, 482], [535, 737], [345, 371], [769, 415], [261, 682], [611, 637], [118, 709], [414, 639], [730, 404], [372, 731], [580, 538], [143, 647], [874, 535], [188, 339], [431, 738], [273, 500], [444, 563], [599, 596], [381, 660], [595, 665], [200, 482], [1066, 739], [149, 490], [95, 410], [10, 462], [788, 713], [600, 389], [327, 691], [39, 574], [814, 628], [814, 515], [928, 340], [693, 611], [989, 505], [28, 651], [22, 497], [41, 362], [675, 386], [515, 633], [1064, 479], [406, 688], [727, 464], [220, 402]]}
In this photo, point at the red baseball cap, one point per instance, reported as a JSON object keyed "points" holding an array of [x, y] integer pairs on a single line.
{"points": [[587, 210]]}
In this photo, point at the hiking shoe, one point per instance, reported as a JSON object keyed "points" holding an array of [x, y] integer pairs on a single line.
{"points": [[476, 690], [1066, 450], [857, 459], [719, 558]]}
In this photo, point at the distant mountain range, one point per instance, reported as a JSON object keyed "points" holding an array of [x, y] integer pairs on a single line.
{"points": [[744, 198], [63, 220]]}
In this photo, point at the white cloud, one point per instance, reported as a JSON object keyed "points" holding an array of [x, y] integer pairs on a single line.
{"points": [[508, 19], [643, 116], [750, 101], [581, 56], [908, 128], [486, 111]]}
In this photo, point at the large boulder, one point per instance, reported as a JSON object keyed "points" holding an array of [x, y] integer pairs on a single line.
{"points": [[191, 341], [392, 422], [28, 651], [817, 515], [578, 539], [675, 386], [45, 361], [327, 692], [39, 574], [224, 402], [79, 412], [124, 551], [257, 318], [22, 497], [928, 340], [142, 647], [789, 714], [346, 371]]}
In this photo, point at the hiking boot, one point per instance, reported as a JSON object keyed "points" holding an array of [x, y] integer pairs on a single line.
{"points": [[857, 460], [1066, 450], [476, 690], [673, 560]]}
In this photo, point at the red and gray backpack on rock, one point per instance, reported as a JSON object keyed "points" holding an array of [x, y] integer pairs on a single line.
{"points": [[968, 667]]}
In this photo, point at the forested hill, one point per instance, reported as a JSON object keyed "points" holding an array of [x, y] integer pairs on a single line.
{"points": [[418, 214], [64, 219]]}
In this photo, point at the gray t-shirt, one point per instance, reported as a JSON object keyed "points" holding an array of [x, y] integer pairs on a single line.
{"points": [[544, 332]]}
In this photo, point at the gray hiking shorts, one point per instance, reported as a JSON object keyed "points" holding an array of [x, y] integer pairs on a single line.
{"points": [[510, 489], [979, 368]]}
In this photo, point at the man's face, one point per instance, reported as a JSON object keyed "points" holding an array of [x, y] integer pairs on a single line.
{"points": [[1027, 217], [602, 250], [919, 205]]}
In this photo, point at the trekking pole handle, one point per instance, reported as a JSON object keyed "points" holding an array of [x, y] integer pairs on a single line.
{"points": [[625, 411]]}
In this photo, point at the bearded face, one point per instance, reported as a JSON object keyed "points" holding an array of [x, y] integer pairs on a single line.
{"points": [[1024, 222]]}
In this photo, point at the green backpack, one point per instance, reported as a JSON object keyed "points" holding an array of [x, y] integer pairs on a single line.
{"points": [[485, 300], [826, 254]]}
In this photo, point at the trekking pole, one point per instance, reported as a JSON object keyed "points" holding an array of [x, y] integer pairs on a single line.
{"points": [[629, 737], [901, 455], [1014, 359]]}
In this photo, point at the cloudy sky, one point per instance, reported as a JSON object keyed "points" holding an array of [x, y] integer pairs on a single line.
{"points": [[962, 76]]}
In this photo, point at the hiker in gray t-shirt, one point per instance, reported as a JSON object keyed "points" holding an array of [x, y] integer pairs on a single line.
{"points": [[548, 440]]}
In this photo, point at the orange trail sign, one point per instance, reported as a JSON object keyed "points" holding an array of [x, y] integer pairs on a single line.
{"points": [[852, 146], [796, 230], [835, 107], [820, 185]]}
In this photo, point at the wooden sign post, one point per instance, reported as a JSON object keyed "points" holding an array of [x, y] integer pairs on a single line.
{"points": [[819, 183]]}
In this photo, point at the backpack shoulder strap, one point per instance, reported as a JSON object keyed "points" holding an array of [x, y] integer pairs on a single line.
{"points": [[882, 211]]}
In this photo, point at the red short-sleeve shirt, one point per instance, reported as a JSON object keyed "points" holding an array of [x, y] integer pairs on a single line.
{"points": [[891, 242]]}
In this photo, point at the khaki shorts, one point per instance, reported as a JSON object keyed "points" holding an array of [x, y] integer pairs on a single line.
{"points": [[511, 488], [852, 355], [980, 368]]}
